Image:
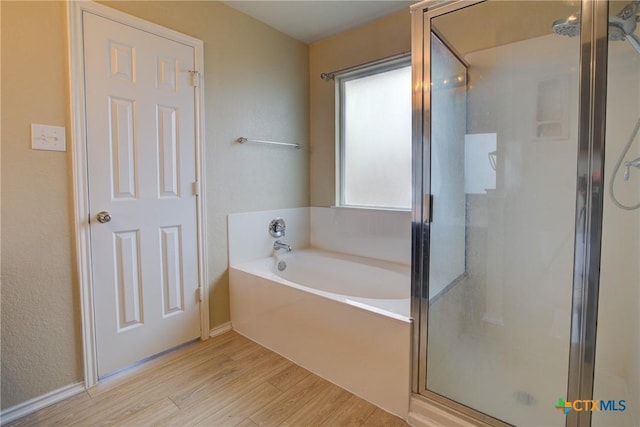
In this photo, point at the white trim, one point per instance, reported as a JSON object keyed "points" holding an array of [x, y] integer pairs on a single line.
{"points": [[80, 199], [75, 10], [220, 329], [371, 209], [203, 269], [30, 406], [423, 413]]}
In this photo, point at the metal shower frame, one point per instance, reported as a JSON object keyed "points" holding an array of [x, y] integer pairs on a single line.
{"points": [[589, 200]]}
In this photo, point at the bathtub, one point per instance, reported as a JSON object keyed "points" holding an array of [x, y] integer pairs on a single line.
{"points": [[344, 318]]}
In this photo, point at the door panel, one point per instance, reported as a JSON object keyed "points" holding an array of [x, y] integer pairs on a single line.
{"points": [[169, 167], [142, 167], [128, 281], [123, 173], [503, 146]]}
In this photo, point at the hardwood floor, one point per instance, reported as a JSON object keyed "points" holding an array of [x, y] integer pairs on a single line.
{"points": [[224, 381]]}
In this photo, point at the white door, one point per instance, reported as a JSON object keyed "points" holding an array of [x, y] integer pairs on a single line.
{"points": [[141, 150]]}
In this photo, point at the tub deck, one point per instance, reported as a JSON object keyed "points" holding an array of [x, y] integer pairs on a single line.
{"points": [[398, 306]]}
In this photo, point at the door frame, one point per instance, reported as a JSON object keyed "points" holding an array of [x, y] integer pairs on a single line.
{"points": [[75, 10]]}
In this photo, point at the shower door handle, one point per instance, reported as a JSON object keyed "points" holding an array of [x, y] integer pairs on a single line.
{"points": [[427, 208]]}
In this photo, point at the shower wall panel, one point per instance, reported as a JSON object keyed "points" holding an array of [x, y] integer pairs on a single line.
{"points": [[617, 374], [529, 235], [447, 264]]}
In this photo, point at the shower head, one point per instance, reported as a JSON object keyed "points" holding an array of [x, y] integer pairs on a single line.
{"points": [[569, 26], [621, 26]]}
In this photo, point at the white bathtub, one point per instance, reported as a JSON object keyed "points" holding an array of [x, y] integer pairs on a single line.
{"points": [[345, 318]]}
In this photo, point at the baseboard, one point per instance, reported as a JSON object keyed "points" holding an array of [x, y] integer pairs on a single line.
{"points": [[220, 329], [37, 403]]}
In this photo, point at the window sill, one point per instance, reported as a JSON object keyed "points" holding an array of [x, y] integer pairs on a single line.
{"points": [[372, 209]]}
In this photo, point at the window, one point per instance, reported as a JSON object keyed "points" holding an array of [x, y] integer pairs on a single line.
{"points": [[374, 136]]}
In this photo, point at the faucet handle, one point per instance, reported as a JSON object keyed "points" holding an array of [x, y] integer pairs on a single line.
{"points": [[277, 227]]}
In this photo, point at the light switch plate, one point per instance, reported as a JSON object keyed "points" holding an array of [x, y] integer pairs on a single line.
{"points": [[45, 137]]}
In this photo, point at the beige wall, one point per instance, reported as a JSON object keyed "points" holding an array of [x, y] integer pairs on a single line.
{"points": [[40, 321], [256, 82], [388, 36]]}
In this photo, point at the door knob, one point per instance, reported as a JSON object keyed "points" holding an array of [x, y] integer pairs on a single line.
{"points": [[103, 217]]}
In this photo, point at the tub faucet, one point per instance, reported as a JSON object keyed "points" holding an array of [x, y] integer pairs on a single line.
{"points": [[277, 245]]}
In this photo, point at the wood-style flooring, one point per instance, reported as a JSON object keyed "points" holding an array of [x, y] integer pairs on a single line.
{"points": [[225, 381]]}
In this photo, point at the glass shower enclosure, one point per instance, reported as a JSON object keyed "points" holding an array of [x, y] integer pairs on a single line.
{"points": [[526, 210]]}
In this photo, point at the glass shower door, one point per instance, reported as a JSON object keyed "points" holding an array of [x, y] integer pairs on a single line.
{"points": [[502, 158]]}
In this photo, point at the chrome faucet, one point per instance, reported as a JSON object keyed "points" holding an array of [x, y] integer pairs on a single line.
{"points": [[277, 245]]}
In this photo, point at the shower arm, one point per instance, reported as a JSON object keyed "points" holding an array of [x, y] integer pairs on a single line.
{"points": [[635, 163]]}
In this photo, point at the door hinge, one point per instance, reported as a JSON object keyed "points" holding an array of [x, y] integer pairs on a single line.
{"points": [[199, 294], [195, 78], [196, 188]]}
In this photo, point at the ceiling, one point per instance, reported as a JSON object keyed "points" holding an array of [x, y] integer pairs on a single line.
{"points": [[313, 20]]}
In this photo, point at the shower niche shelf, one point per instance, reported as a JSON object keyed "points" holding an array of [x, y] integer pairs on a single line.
{"points": [[552, 117]]}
